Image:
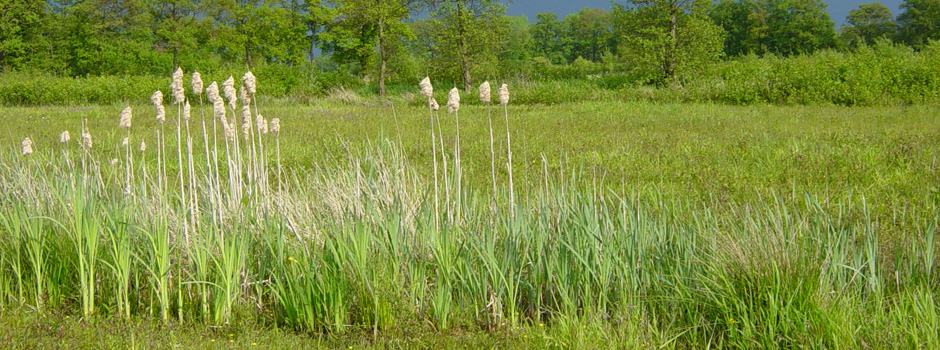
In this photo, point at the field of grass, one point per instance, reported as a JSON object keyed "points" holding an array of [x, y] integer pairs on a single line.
{"points": [[635, 226]]}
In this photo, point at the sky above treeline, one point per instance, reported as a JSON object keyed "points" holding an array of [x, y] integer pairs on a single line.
{"points": [[838, 9]]}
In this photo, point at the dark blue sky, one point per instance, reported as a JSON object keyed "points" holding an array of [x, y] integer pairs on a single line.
{"points": [[838, 9]]}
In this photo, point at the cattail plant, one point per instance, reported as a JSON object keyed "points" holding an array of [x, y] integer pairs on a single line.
{"points": [[179, 96], [27, 146], [86, 143], [125, 123], [504, 100], [157, 100], [197, 84], [193, 195], [276, 130], [64, 139], [440, 137], [427, 90], [453, 106], [485, 99]]}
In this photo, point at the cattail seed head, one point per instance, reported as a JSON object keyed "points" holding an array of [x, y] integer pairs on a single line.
{"points": [[64, 137], [229, 129], [126, 118], [261, 124], [157, 98], [212, 92], [248, 80], [161, 113], [177, 86], [228, 88], [427, 90], [86, 139], [218, 107], [276, 126], [187, 110], [27, 146], [197, 83], [126, 142], [504, 95], [434, 105], [143, 145], [453, 100], [246, 122], [244, 95], [485, 92]]}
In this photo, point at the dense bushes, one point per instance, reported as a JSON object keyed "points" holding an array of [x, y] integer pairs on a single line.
{"points": [[885, 73], [881, 74]]}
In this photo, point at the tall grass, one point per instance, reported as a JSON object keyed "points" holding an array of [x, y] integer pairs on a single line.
{"points": [[356, 244]]}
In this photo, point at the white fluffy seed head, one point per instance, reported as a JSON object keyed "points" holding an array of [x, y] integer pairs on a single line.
{"points": [[212, 92], [143, 145], [64, 137], [261, 124], [161, 114], [187, 111], [176, 87], [434, 105], [197, 83], [126, 118], [427, 90], [229, 129], [228, 88], [86, 139], [276, 126], [485, 92], [246, 122], [114, 161], [156, 98], [218, 107], [245, 95], [27, 146], [504, 95], [453, 100], [126, 142], [249, 81]]}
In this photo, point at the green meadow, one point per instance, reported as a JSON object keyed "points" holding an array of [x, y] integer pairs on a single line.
{"points": [[628, 225]]}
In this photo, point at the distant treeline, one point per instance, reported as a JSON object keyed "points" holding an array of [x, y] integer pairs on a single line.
{"points": [[307, 48]]}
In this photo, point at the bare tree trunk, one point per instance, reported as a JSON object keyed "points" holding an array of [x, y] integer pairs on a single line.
{"points": [[313, 45], [382, 57], [674, 50], [464, 60]]}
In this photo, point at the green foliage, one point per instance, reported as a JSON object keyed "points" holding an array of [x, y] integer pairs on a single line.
{"points": [[464, 39], [665, 41], [868, 23], [790, 27], [882, 74], [919, 22], [21, 29]]}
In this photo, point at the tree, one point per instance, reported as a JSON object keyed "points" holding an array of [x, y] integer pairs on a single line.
{"points": [[590, 32], [867, 23], [174, 26], [468, 35], [789, 27], [365, 24], [919, 22], [549, 38], [18, 23], [735, 18], [666, 37]]}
